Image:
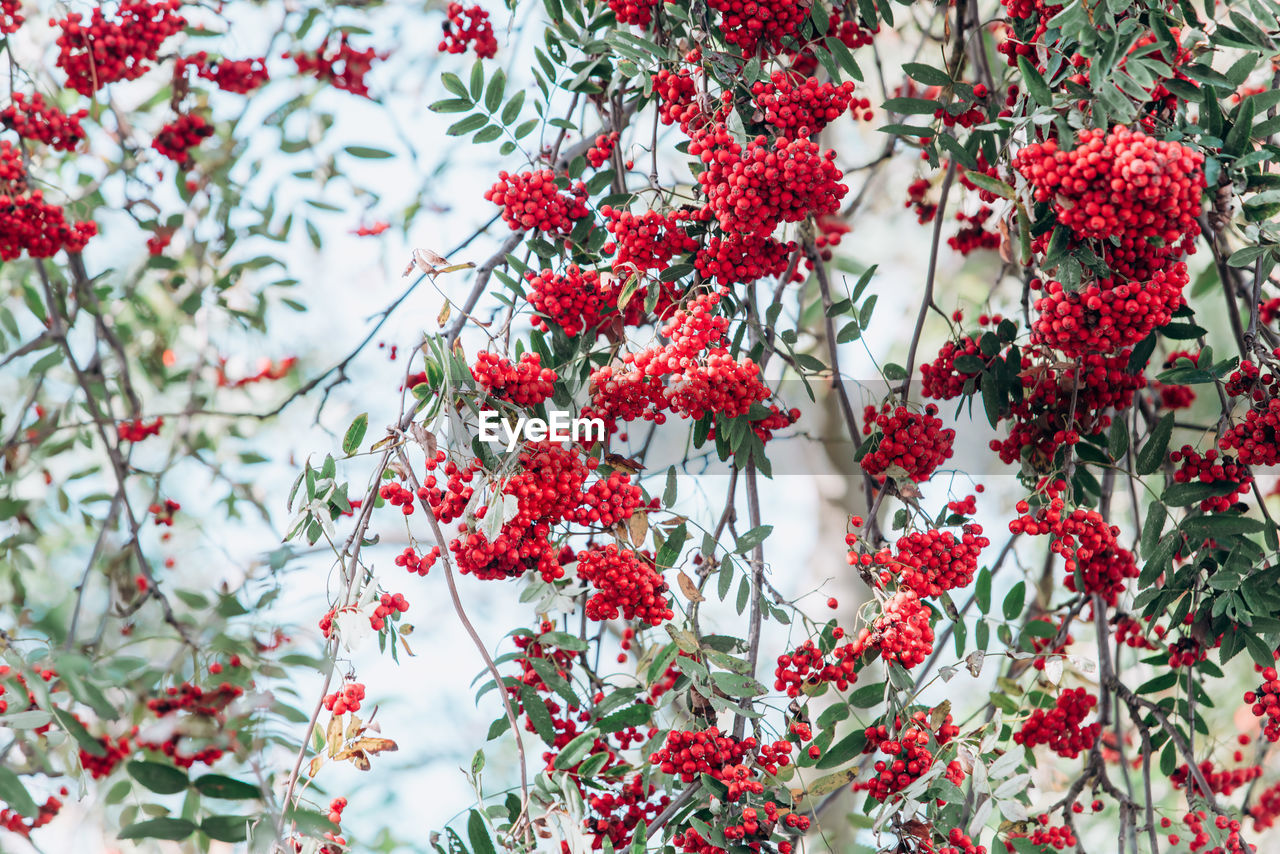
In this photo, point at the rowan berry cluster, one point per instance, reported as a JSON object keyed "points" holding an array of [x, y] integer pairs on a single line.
{"points": [[421, 564], [929, 562], [1121, 185], [902, 632], [908, 753], [105, 51], [176, 139], [1264, 702], [1039, 420], [465, 26], [742, 258], [32, 118], [1036, 14], [689, 754], [1084, 539], [1267, 809], [752, 190], [755, 24], [914, 442], [162, 514], [27, 223], [808, 666], [678, 96], [240, 76], [1256, 438], [533, 201], [645, 242], [112, 752], [973, 234], [137, 430], [580, 301], [190, 701], [1222, 782], [524, 383], [941, 379], [11, 819], [346, 699], [1211, 468], [790, 104], [602, 150], [10, 20], [341, 66], [397, 496], [1050, 836], [627, 585], [1060, 727], [693, 375], [1109, 313], [390, 607]]}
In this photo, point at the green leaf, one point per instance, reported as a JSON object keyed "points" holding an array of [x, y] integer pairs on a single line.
{"points": [[576, 750], [752, 538], [1036, 86], [1118, 438], [158, 777], [991, 185], [1153, 452], [737, 685], [1014, 601], [867, 696], [226, 788], [538, 714], [77, 731], [455, 85], [355, 434], [512, 110], [477, 80], [497, 88], [634, 715], [365, 152], [14, 793], [475, 121], [478, 834], [926, 74], [1168, 759], [451, 105], [843, 750], [1237, 141], [172, 829], [226, 828], [911, 106]]}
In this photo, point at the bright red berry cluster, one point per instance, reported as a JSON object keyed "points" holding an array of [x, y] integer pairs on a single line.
{"points": [[628, 585], [909, 754], [240, 76], [27, 223], [742, 258], [1084, 539], [343, 67], [176, 139], [533, 200], [638, 12], [913, 442], [689, 754], [929, 562], [390, 606], [137, 430], [465, 26], [756, 24], [1060, 727], [32, 118], [524, 383], [1107, 314], [645, 242], [346, 699], [752, 190], [807, 666], [790, 104], [105, 51], [1264, 702], [902, 632], [602, 150], [1211, 468], [421, 564]]}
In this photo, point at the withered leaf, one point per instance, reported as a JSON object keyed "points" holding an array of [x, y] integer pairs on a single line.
{"points": [[688, 588]]}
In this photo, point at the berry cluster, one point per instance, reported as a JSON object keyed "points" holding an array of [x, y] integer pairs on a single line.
{"points": [[346, 699], [1059, 727], [31, 118], [627, 585], [1109, 313], [176, 139], [679, 101], [579, 301], [796, 105], [27, 223], [421, 564], [755, 24], [914, 443], [463, 26], [645, 242], [929, 562], [137, 430], [533, 200], [343, 67], [1084, 539], [742, 258], [1265, 703], [638, 12], [390, 606], [525, 383], [397, 496], [689, 754], [752, 190], [902, 632], [106, 51], [1211, 468], [1256, 439], [190, 708], [941, 379], [807, 666], [163, 513], [1139, 197], [602, 150], [240, 76], [909, 754], [11, 19]]}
